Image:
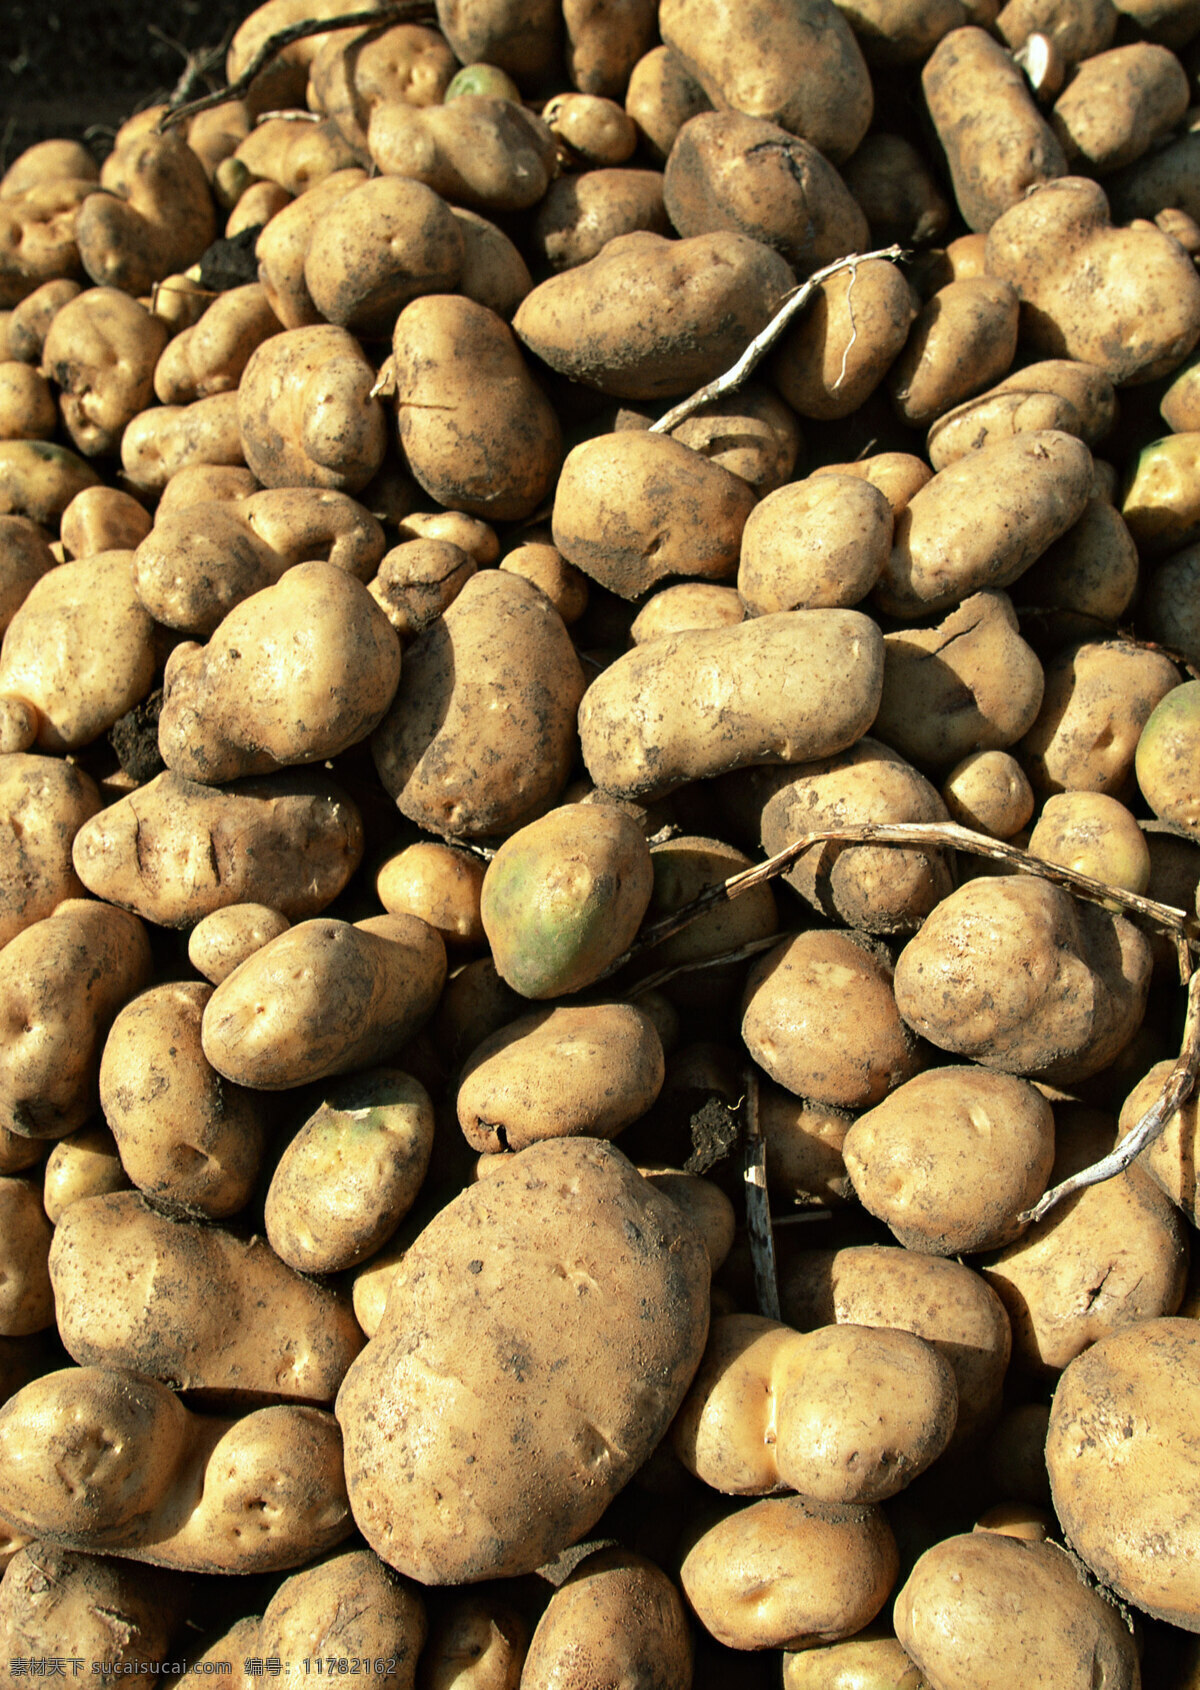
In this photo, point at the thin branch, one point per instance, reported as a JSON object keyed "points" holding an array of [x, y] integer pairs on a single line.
{"points": [[753, 947], [1180, 1084], [766, 338], [758, 1204], [403, 11]]}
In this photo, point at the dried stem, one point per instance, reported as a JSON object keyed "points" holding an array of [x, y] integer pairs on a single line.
{"points": [[1180, 1084], [758, 1204], [766, 338], [403, 11], [753, 947]]}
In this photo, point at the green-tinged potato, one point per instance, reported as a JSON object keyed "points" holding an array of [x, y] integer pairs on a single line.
{"points": [[874, 1660], [965, 1588], [154, 213], [44, 801], [837, 353], [649, 318], [564, 896], [1099, 698], [728, 171], [632, 509], [1161, 506], [26, 1299], [80, 649], [27, 410], [348, 1606], [660, 99], [878, 889], [108, 1614], [1125, 299], [581, 214], [351, 73], [997, 143], [617, 1620], [103, 519], [897, 191], [439, 883], [605, 41], [1095, 835], [1118, 104], [294, 674], [794, 63], [481, 151], [187, 1138], [579, 1072], [1132, 1518], [38, 480], [209, 357], [189, 1304], [988, 792], [963, 338], [1115, 1255], [789, 1572], [478, 433], [1171, 1159], [175, 851], [164, 439], [84, 1164], [25, 556], [454, 768], [952, 1158], [948, 543], [814, 545], [324, 998], [1015, 974], [222, 941], [306, 414], [969, 684], [101, 350], [37, 236], [685, 608], [1091, 571], [819, 1015], [942, 1301], [578, 1240], [790, 687], [62, 981], [377, 247], [418, 581]]}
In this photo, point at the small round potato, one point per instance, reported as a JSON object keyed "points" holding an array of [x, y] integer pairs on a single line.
{"points": [[1095, 835], [84, 1164], [222, 941]]}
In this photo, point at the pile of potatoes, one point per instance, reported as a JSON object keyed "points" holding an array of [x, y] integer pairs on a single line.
{"points": [[377, 1294]]}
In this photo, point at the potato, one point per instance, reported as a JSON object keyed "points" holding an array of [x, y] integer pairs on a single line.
{"points": [[478, 433], [297, 156], [1118, 104], [581, 214], [438, 883], [942, 1301], [683, 867], [520, 36], [210, 357], [726, 1431], [48, 161], [1099, 697], [164, 439], [175, 851], [605, 42], [43, 804], [815, 544], [63, 980], [1091, 571], [84, 1164], [1093, 834], [348, 1606], [223, 718], [377, 247], [591, 130], [988, 792], [1015, 974], [55, 1604], [728, 171], [649, 318], [222, 941], [418, 581], [818, 1014], [789, 1572], [253, 206], [961, 1593], [305, 411], [997, 143], [615, 1619], [632, 509], [1164, 756], [898, 194], [488, 154], [350, 74], [351, 1173], [27, 410], [191, 1304], [37, 236], [759, 705], [832, 359], [38, 479], [963, 338], [154, 214], [752, 433], [282, 248], [1077, 30], [804, 1149], [795, 64], [493, 272], [103, 519], [101, 349], [447, 769], [951, 1158], [686, 607], [324, 998], [466, 1501], [660, 98], [565, 586], [1125, 299], [29, 321], [873, 1660], [26, 1299]]}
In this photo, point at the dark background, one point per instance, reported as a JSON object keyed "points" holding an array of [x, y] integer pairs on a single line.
{"points": [[78, 68]]}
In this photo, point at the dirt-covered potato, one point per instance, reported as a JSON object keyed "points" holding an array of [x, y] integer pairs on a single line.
{"points": [[154, 213], [44, 801], [101, 350], [349, 1606], [835, 356], [488, 154], [222, 941], [804, 1149], [632, 509], [661, 97], [417, 581], [683, 868], [581, 214], [641, 724], [554, 1225], [1094, 834], [814, 544], [103, 519], [27, 409], [963, 338], [1019, 976], [1076, 30], [478, 432], [897, 191], [789, 1572], [377, 247], [25, 556], [294, 674], [306, 414], [38, 479], [518, 36], [164, 439], [453, 772], [37, 236], [29, 321], [56, 1604], [187, 1139], [351, 1173], [324, 998], [350, 73], [84, 1164], [190, 1304], [604, 42], [955, 1608], [819, 1015], [1118, 104], [616, 1619], [1099, 697], [283, 243], [649, 318]]}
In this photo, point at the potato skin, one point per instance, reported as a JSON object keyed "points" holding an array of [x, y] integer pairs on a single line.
{"points": [[56, 1602], [347, 1606], [618, 1619], [486, 1495]]}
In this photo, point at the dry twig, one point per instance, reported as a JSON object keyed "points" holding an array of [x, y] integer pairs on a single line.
{"points": [[758, 1204]]}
